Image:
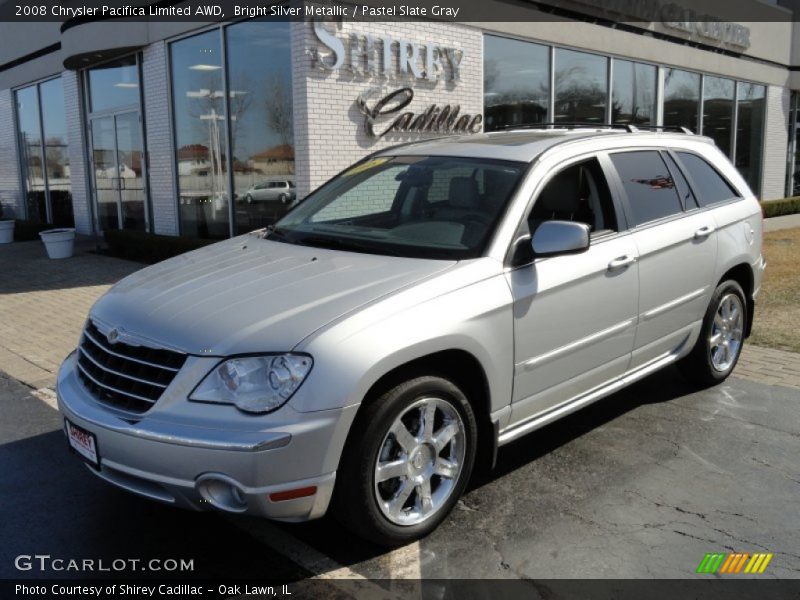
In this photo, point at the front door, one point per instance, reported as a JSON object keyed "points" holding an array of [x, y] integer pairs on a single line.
{"points": [[118, 170], [114, 116], [574, 315]]}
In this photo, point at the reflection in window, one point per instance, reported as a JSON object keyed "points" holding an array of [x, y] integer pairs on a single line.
{"points": [[114, 84], [633, 92], [516, 82], [581, 84], [56, 152], [750, 132], [260, 96], [681, 98], [199, 108], [718, 111], [31, 152], [44, 156], [648, 185]]}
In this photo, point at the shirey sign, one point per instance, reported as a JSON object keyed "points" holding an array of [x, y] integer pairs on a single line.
{"points": [[396, 60]]}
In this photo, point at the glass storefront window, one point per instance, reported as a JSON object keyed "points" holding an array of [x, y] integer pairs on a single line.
{"points": [[581, 87], [516, 82], [56, 152], [751, 104], [262, 129], [114, 85], [633, 93], [718, 111], [681, 99], [30, 141], [44, 156], [198, 93]]}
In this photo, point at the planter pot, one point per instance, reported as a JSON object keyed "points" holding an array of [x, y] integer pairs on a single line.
{"points": [[58, 242], [6, 231]]}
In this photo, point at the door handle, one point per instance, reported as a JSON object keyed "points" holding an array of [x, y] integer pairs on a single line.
{"points": [[621, 262], [703, 232]]}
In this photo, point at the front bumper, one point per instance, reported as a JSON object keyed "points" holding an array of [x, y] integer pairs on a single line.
{"points": [[191, 459]]}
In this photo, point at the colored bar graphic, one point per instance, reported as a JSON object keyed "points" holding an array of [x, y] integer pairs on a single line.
{"points": [[734, 563]]}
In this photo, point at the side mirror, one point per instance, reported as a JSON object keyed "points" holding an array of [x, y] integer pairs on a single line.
{"points": [[552, 238]]}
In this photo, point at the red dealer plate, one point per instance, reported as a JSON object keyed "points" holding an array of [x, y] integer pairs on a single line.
{"points": [[83, 442]]}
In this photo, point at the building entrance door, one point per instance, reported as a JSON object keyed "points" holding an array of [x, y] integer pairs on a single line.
{"points": [[118, 166]]}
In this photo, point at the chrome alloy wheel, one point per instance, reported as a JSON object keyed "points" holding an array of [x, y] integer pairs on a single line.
{"points": [[727, 332], [420, 461]]}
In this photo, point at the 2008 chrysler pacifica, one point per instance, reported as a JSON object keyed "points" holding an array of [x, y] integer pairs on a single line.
{"points": [[429, 304]]}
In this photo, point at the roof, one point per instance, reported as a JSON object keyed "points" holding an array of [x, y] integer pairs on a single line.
{"points": [[280, 152], [522, 145]]}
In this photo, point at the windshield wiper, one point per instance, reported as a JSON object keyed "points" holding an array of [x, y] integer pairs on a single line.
{"points": [[332, 243]]}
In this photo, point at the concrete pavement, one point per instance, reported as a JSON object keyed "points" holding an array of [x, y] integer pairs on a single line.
{"points": [[783, 222]]}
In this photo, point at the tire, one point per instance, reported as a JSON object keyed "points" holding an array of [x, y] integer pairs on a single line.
{"points": [[283, 198], [402, 508], [709, 363]]}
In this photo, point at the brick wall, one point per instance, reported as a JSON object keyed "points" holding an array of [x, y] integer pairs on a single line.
{"points": [[161, 166], [329, 128], [776, 136], [76, 137], [10, 192]]}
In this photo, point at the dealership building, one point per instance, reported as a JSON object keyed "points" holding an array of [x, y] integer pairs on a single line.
{"points": [[185, 128]]}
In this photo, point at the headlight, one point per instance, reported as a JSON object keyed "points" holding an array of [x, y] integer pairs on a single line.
{"points": [[255, 384]]}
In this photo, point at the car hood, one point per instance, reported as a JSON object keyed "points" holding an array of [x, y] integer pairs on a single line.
{"points": [[250, 294]]}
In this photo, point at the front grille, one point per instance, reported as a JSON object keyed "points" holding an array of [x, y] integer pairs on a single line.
{"points": [[128, 377]]}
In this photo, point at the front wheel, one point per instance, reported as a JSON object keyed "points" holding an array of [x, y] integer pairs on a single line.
{"points": [[405, 470], [720, 343]]}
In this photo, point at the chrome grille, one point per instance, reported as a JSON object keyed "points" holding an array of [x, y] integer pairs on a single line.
{"points": [[124, 376]]}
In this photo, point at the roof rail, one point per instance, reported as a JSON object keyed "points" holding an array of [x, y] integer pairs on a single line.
{"points": [[629, 127]]}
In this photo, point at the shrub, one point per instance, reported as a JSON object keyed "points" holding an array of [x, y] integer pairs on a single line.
{"points": [[784, 206], [149, 248], [26, 231]]}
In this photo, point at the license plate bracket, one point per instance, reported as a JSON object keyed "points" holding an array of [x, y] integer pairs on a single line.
{"points": [[83, 443]]}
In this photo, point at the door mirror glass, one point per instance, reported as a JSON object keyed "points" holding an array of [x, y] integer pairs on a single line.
{"points": [[560, 237]]}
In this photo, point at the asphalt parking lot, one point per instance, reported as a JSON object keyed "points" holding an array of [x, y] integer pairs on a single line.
{"points": [[642, 484]]}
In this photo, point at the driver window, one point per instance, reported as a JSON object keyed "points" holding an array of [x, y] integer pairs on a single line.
{"points": [[578, 193]]}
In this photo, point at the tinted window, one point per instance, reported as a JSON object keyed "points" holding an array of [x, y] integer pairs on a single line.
{"points": [[709, 184], [684, 191], [648, 185], [681, 98], [633, 93], [718, 111]]}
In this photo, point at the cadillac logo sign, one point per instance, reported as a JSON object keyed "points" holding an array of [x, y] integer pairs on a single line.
{"points": [[113, 336], [386, 115]]}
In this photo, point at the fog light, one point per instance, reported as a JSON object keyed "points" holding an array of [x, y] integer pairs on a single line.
{"points": [[222, 494]]}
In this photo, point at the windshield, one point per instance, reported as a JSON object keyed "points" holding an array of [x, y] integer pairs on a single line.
{"points": [[418, 206]]}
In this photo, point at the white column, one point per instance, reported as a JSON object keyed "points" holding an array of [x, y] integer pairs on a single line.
{"points": [[158, 133], [776, 137], [10, 183]]}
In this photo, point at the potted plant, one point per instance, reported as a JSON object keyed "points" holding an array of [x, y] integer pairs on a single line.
{"points": [[6, 228], [58, 242]]}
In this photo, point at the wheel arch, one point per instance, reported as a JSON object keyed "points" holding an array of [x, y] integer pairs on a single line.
{"points": [[742, 274], [464, 370]]}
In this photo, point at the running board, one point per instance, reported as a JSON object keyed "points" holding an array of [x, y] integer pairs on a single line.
{"points": [[570, 406]]}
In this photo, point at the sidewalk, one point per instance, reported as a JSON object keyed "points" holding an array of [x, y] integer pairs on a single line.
{"points": [[43, 305], [784, 222]]}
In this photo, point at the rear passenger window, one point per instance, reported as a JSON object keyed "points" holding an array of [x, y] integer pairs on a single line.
{"points": [[648, 184], [709, 185]]}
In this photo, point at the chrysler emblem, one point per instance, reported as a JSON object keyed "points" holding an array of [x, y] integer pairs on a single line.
{"points": [[113, 336]]}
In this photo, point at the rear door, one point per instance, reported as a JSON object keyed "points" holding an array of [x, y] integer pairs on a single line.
{"points": [[677, 248]]}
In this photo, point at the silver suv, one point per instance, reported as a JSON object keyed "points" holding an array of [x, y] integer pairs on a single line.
{"points": [[427, 305]]}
